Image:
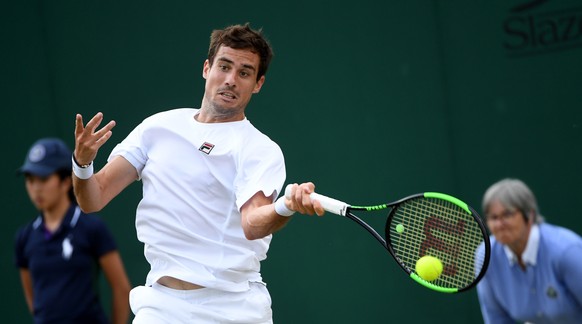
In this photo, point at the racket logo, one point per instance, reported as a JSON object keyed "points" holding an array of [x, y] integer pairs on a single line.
{"points": [[454, 233]]}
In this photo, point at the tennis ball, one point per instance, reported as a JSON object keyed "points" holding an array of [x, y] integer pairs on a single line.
{"points": [[429, 268], [399, 228]]}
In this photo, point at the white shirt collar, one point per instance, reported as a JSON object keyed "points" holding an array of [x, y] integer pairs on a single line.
{"points": [[530, 254]]}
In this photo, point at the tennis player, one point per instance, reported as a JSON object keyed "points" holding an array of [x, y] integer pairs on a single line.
{"points": [[210, 183]]}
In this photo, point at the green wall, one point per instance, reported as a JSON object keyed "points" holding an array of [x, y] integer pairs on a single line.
{"points": [[370, 100]]}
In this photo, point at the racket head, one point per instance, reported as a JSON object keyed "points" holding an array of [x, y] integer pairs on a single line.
{"points": [[444, 227]]}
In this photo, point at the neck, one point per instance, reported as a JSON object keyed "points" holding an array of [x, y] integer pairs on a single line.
{"points": [[53, 216], [519, 246], [211, 113]]}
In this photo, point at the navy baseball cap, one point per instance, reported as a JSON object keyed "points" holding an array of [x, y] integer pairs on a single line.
{"points": [[47, 156]]}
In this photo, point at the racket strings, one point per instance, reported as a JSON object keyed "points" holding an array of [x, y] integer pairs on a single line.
{"points": [[441, 229]]}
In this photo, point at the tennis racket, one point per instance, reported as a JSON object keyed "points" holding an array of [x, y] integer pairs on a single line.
{"points": [[427, 224]]}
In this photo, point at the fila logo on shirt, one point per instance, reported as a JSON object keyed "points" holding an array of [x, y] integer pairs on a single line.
{"points": [[206, 148]]}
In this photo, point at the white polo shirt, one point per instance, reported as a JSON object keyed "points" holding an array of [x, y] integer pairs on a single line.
{"points": [[196, 176]]}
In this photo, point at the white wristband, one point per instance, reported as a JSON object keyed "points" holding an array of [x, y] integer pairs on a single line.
{"points": [[82, 173], [282, 209]]}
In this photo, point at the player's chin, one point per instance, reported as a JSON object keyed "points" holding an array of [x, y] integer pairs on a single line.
{"points": [[38, 204], [503, 238]]}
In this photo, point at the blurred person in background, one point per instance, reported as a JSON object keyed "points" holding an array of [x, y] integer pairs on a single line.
{"points": [[61, 251], [535, 272]]}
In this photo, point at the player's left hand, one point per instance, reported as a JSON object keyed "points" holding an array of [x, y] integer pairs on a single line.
{"points": [[88, 139]]}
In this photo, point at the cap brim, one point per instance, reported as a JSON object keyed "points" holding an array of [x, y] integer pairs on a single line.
{"points": [[36, 170]]}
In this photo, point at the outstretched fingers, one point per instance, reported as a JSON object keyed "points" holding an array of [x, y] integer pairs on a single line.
{"points": [[88, 138], [79, 128]]}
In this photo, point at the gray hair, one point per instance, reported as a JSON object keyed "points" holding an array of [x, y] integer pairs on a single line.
{"points": [[513, 194]]}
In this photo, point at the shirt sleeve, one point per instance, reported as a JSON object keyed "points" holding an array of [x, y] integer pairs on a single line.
{"points": [[132, 149], [263, 170], [20, 259], [570, 269]]}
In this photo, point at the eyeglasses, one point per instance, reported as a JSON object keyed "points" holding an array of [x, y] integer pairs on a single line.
{"points": [[504, 216]]}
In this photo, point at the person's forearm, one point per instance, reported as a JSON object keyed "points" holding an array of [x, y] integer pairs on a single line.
{"points": [[119, 308], [88, 194], [94, 193], [263, 221]]}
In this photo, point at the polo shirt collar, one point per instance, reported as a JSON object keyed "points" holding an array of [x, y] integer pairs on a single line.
{"points": [[71, 217], [530, 254]]}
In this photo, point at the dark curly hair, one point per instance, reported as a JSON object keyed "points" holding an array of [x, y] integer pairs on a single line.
{"points": [[242, 37]]}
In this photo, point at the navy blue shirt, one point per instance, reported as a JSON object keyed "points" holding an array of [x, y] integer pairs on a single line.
{"points": [[64, 267]]}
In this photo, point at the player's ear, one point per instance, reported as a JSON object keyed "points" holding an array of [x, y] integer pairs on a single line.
{"points": [[533, 216], [205, 69], [259, 84], [529, 216]]}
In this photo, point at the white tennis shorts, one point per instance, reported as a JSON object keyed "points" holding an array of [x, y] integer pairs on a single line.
{"points": [[159, 305]]}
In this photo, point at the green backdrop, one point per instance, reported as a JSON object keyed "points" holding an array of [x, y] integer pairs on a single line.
{"points": [[370, 100]]}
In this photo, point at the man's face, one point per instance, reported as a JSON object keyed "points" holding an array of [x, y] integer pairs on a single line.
{"points": [[231, 81]]}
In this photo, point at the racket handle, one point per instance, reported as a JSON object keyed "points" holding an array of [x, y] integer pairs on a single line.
{"points": [[329, 204]]}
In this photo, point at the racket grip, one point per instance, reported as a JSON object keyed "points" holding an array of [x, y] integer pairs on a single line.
{"points": [[329, 204]]}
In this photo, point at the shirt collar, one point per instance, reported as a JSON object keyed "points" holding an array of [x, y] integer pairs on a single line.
{"points": [[71, 217], [530, 254]]}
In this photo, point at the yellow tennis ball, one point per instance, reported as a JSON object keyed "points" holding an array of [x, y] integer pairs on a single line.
{"points": [[429, 268], [399, 228]]}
